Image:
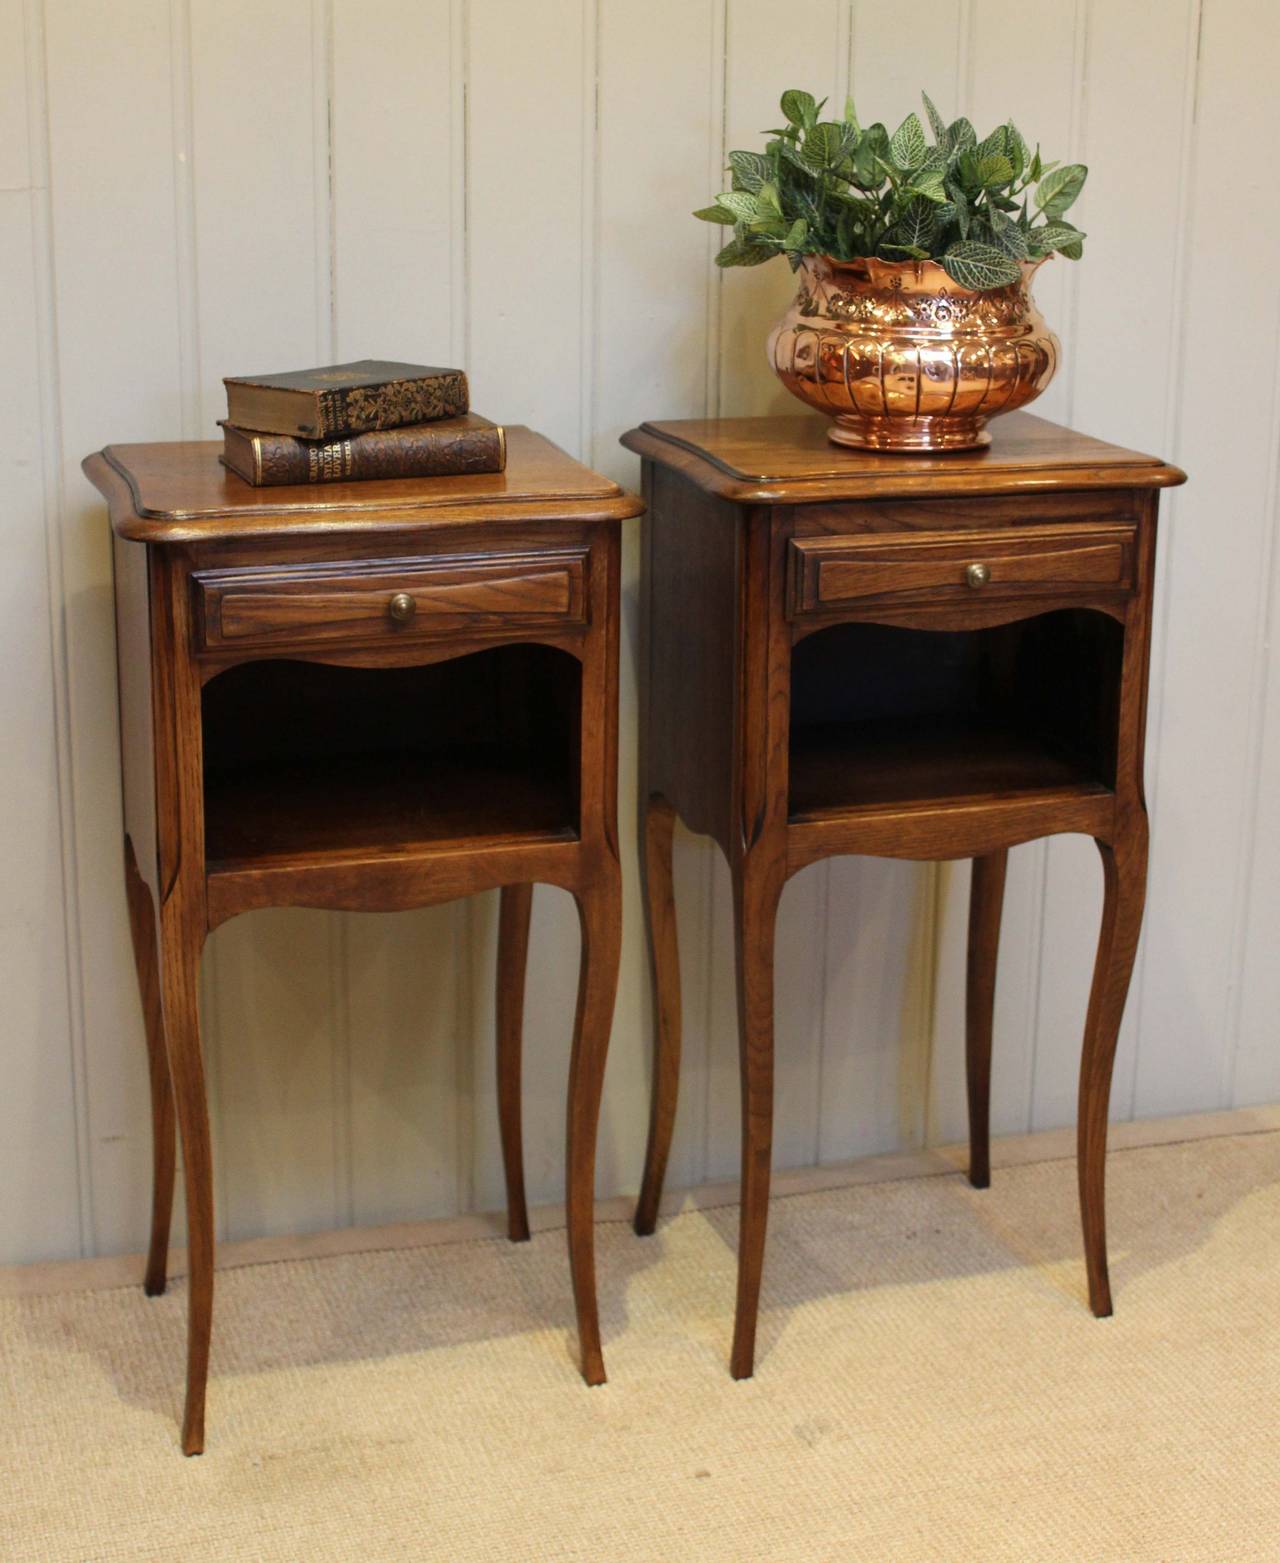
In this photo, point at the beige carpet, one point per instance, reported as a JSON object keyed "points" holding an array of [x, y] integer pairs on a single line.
{"points": [[930, 1388]]}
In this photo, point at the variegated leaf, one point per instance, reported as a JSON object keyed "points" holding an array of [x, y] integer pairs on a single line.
{"points": [[979, 267], [1062, 237], [799, 108], [1057, 190], [907, 146], [928, 183], [917, 225], [996, 144], [741, 252], [750, 170], [1008, 235], [745, 207], [994, 170], [1016, 149], [936, 122], [961, 136]]}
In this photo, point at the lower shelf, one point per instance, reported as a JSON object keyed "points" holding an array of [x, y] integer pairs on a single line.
{"points": [[841, 768], [390, 804]]}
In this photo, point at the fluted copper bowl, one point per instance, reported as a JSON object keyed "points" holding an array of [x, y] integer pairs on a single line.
{"points": [[904, 359]]}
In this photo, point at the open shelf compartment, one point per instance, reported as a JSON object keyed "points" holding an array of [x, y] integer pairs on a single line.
{"points": [[883, 718], [306, 761]]}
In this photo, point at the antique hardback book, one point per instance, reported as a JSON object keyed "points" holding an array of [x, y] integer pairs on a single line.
{"points": [[321, 404], [446, 447]]}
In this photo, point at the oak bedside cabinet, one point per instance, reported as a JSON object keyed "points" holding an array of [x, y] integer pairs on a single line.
{"points": [[369, 696], [922, 657]]}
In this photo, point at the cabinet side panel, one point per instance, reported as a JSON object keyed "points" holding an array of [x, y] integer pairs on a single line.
{"points": [[137, 733], [691, 557]]}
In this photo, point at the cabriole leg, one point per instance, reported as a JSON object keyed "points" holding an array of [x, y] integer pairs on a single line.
{"points": [[600, 916], [180, 944], [1124, 866], [146, 956], [657, 826], [513, 954], [756, 896], [986, 901]]}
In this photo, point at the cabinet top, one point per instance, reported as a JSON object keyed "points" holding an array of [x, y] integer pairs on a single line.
{"points": [[179, 492], [789, 460]]}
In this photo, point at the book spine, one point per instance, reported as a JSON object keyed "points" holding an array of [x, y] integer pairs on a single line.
{"points": [[360, 409], [395, 453]]}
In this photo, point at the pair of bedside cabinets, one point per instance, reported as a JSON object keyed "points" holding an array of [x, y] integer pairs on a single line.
{"points": [[376, 696]]}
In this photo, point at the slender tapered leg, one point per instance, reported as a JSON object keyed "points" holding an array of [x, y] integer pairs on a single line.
{"points": [[986, 900], [180, 945], [146, 957], [756, 897], [657, 826], [600, 915], [513, 954], [1124, 864]]}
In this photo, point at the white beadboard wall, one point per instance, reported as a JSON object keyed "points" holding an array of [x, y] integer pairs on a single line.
{"points": [[193, 188]]}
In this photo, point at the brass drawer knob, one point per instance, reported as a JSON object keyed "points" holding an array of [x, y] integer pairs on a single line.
{"points": [[977, 575], [402, 605]]}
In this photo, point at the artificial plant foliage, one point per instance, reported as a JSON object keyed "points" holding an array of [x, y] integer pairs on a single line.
{"points": [[833, 187]]}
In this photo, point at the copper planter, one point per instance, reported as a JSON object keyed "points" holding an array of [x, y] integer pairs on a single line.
{"points": [[904, 359]]}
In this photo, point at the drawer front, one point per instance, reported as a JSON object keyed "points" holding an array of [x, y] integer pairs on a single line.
{"points": [[1017, 513], [383, 600], [830, 573]]}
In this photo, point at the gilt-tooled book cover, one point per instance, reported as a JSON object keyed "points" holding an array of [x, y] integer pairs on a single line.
{"points": [[447, 447], [339, 399]]}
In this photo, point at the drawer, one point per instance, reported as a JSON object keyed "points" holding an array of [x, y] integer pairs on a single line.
{"points": [[380, 600], [955, 513], [828, 573]]}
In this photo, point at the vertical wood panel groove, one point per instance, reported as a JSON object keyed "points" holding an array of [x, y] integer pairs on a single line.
{"points": [[324, 112], [322, 89], [460, 185], [1035, 975], [1077, 134], [720, 153], [934, 888], [844, 23], [717, 110], [1077, 141], [465, 918], [965, 56], [1175, 397], [53, 453], [844, 67], [190, 399], [1257, 701], [185, 218], [588, 231], [344, 1179]]}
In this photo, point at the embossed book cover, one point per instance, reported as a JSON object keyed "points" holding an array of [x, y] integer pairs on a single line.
{"points": [[338, 399], [443, 448]]}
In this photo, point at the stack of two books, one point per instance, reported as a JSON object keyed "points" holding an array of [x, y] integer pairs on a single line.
{"points": [[355, 421]]}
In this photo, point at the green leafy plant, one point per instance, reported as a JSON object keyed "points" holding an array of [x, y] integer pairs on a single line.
{"points": [[832, 187]]}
